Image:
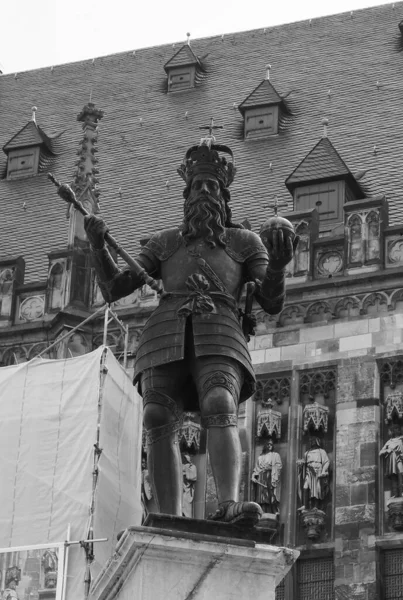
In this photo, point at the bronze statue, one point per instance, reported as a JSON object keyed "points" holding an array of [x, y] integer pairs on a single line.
{"points": [[267, 478], [313, 476], [393, 455], [192, 354]]}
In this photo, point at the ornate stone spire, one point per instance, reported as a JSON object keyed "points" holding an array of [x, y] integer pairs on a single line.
{"points": [[86, 174]]}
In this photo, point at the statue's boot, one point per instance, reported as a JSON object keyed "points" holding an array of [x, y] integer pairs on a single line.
{"points": [[246, 514]]}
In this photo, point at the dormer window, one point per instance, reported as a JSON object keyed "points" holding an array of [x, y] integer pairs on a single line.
{"points": [[261, 121], [260, 110], [28, 150], [23, 162], [323, 181], [183, 70]]}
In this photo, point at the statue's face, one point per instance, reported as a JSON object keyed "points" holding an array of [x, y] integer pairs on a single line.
{"points": [[12, 585], [395, 431], [204, 185], [268, 447], [314, 442]]}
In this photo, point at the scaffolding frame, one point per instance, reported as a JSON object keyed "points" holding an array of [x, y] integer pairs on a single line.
{"points": [[109, 316]]}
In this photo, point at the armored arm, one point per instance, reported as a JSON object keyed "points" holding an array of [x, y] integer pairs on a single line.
{"points": [[116, 283], [270, 283]]}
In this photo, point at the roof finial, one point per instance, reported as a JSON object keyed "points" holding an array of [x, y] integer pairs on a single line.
{"points": [[33, 118], [210, 139], [268, 67], [188, 39], [325, 123], [90, 94]]}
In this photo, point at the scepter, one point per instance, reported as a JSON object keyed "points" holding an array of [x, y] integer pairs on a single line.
{"points": [[133, 264]]}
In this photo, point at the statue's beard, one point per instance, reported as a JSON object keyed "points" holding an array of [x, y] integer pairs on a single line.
{"points": [[204, 216]]}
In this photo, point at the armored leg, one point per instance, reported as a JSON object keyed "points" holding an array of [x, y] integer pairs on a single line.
{"points": [[162, 421], [219, 385]]}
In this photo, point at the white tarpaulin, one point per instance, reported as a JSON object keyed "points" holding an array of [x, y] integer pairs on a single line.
{"points": [[51, 413]]}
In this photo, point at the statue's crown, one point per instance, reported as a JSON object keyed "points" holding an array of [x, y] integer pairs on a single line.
{"points": [[205, 159]]}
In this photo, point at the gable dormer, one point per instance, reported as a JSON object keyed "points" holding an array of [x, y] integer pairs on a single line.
{"points": [[183, 70], [261, 110], [28, 150], [323, 181]]}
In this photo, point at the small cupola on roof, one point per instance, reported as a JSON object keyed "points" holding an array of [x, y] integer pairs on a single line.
{"points": [[30, 151], [183, 69], [261, 110], [323, 181]]}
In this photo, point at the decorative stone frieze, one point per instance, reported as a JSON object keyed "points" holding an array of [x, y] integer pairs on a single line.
{"points": [[393, 406], [189, 435], [274, 389], [268, 423], [315, 417], [391, 371], [318, 382]]}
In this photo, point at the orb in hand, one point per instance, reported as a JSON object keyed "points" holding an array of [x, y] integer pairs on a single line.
{"points": [[276, 223]]}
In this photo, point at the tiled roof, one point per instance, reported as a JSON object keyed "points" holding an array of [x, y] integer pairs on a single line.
{"points": [[29, 135], [184, 56], [322, 162], [264, 94], [141, 191]]}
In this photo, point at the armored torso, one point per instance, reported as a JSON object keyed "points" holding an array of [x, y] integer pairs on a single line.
{"points": [[205, 284]]}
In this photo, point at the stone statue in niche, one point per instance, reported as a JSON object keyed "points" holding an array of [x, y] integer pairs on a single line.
{"points": [[313, 471], [392, 452], [267, 479], [189, 479], [193, 353], [313, 487]]}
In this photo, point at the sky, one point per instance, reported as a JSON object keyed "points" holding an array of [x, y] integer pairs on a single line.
{"points": [[44, 33]]}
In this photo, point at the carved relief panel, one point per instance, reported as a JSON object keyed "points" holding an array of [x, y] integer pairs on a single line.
{"points": [[328, 259]]}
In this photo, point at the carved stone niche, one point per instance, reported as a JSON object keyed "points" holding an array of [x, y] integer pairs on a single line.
{"points": [[365, 221], [394, 407], [329, 257], [306, 225]]}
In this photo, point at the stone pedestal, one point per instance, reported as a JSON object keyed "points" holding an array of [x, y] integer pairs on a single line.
{"points": [[395, 513], [313, 521], [151, 563]]}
